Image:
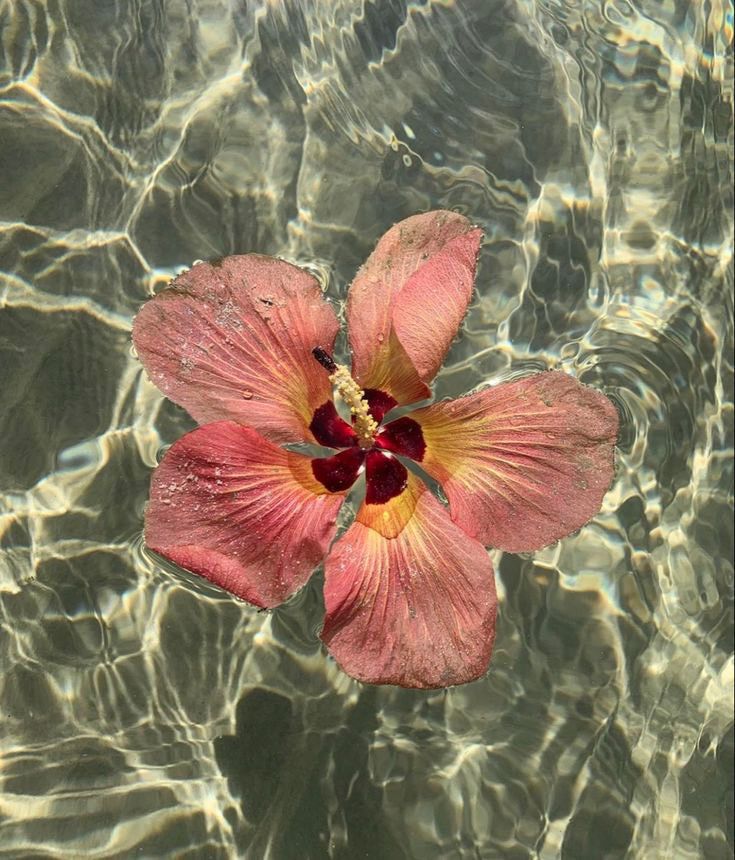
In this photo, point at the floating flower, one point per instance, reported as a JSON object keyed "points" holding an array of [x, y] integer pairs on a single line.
{"points": [[245, 345]]}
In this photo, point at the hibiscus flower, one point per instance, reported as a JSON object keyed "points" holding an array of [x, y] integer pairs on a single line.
{"points": [[245, 345]]}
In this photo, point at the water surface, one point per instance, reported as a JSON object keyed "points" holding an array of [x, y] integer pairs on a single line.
{"points": [[146, 714]]}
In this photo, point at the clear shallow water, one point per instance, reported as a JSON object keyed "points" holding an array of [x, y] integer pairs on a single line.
{"points": [[147, 714]]}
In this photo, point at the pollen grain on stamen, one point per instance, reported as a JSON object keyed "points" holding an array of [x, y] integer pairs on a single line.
{"points": [[339, 375]]}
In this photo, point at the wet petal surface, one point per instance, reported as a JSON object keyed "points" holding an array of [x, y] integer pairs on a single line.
{"points": [[524, 463], [233, 340], [247, 515], [417, 609]]}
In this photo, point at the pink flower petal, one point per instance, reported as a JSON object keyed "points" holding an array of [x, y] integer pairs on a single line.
{"points": [[416, 609], [247, 515], [408, 300], [233, 340], [524, 463]]}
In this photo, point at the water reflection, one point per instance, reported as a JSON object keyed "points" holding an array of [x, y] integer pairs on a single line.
{"points": [[147, 714]]}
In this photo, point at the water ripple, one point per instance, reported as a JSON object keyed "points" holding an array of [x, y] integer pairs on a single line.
{"points": [[147, 714]]}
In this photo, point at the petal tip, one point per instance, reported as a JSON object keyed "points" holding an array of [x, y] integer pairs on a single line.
{"points": [[401, 612], [246, 324], [524, 463], [232, 507]]}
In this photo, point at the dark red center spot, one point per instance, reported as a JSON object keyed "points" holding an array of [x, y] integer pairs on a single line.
{"points": [[385, 475], [379, 403], [339, 472], [331, 430], [402, 436]]}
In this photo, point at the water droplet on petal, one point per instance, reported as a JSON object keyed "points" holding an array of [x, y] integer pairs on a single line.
{"points": [[247, 394]]}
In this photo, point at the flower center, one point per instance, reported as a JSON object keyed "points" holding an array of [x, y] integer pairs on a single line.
{"points": [[367, 444], [365, 426]]}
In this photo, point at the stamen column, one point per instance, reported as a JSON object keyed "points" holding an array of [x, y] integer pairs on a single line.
{"points": [[365, 425]]}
